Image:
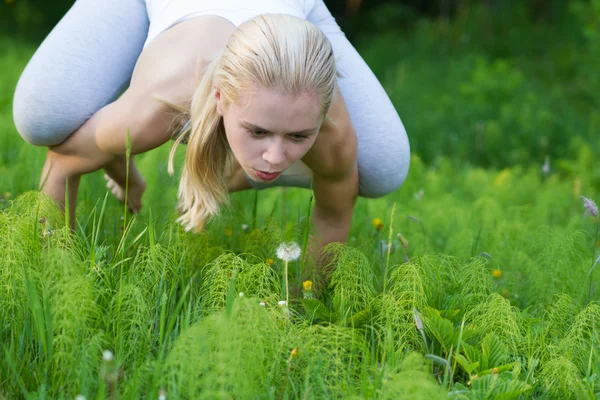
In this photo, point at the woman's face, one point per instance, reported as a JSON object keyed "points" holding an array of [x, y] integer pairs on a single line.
{"points": [[269, 130]]}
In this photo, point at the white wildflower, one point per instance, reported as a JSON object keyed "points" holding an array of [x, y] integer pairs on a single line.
{"points": [[282, 303], [241, 294], [245, 227], [590, 207], [162, 394], [288, 251], [262, 303], [80, 397], [107, 355], [546, 166], [419, 195]]}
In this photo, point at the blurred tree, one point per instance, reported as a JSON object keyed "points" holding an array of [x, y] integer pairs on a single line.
{"points": [[33, 19]]}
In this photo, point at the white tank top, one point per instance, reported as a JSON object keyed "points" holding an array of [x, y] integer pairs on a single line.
{"points": [[163, 14]]}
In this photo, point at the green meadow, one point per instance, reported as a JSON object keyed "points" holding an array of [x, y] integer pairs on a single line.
{"points": [[477, 279]]}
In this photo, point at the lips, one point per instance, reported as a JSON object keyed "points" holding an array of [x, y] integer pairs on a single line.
{"points": [[266, 176]]}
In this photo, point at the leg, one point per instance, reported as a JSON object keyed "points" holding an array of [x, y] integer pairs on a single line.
{"points": [[83, 64], [168, 68], [383, 148]]}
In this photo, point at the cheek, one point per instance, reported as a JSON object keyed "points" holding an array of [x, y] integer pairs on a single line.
{"points": [[242, 146], [306, 146]]}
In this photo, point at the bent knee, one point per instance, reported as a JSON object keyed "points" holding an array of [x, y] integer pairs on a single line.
{"points": [[41, 121], [383, 183], [382, 171]]}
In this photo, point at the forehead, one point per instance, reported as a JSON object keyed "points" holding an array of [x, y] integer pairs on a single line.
{"points": [[278, 111]]}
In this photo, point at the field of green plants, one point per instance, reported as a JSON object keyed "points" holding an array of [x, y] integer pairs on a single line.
{"points": [[477, 279]]}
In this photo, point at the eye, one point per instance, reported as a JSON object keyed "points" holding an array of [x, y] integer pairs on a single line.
{"points": [[298, 138], [256, 132]]}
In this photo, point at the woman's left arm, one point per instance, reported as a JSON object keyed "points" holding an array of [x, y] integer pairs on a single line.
{"points": [[335, 198], [335, 189], [335, 180]]}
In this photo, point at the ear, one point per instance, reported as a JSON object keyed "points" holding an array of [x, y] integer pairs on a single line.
{"points": [[218, 98]]}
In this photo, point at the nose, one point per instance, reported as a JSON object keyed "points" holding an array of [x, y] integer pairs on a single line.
{"points": [[274, 154]]}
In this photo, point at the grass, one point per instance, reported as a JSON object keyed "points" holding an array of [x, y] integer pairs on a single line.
{"points": [[486, 293]]}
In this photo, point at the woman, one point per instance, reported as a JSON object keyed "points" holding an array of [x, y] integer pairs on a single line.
{"points": [[251, 87]]}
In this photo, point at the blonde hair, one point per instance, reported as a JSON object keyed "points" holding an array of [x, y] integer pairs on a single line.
{"points": [[272, 51]]}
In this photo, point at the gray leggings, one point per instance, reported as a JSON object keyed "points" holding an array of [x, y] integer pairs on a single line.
{"points": [[87, 61]]}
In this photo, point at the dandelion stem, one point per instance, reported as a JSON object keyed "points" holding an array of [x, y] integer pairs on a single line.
{"points": [[287, 287]]}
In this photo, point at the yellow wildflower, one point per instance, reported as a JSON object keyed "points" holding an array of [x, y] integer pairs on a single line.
{"points": [[378, 223], [294, 353], [228, 231], [495, 370], [503, 177], [307, 285], [7, 195], [497, 273], [269, 261]]}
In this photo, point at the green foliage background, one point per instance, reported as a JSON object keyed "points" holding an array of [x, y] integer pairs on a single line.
{"points": [[496, 260]]}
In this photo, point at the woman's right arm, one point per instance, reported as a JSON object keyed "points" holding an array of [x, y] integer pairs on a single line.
{"points": [[101, 143]]}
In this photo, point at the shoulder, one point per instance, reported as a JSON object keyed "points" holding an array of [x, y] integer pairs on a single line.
{"points": [[333, 156]]}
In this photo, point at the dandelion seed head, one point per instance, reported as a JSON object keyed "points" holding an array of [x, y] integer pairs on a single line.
{"points": [[80, 397], [245, 227], [288, 251], [590, 206], [241, 294], [107, 355]]}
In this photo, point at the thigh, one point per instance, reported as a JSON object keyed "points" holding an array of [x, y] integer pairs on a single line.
{"points": [[383, 147], [84, 63]]}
